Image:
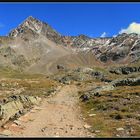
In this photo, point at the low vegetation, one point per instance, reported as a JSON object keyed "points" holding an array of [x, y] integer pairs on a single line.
{"points": [[33, 84], [115, 113], [110, 113]]}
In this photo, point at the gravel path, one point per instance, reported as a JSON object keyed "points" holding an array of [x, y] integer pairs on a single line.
{"points": [[57, 116]]}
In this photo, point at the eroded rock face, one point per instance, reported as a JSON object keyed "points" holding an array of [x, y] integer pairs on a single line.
{"points": [[15, 105]]}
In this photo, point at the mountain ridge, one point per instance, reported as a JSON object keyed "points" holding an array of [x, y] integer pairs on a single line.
{"points": [[40, 46]]}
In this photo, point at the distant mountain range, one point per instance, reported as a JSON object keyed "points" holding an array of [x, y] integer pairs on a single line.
{"points": [[34, 46]]}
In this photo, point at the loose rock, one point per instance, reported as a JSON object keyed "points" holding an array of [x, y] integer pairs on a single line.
{"points": [[90, 115], [87, 126], [120, 129]]}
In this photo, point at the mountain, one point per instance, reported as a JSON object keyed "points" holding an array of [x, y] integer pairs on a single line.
{"points": [[34, 46], [33, 27], [120, 49]]}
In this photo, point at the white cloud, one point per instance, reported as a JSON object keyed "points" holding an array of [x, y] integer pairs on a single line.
{"points": [[103, 34], [132, 28]]}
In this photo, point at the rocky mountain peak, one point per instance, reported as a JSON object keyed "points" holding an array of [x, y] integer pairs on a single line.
{"points": [[30, 18], [33, 24], [32, 27], [30, 23]]}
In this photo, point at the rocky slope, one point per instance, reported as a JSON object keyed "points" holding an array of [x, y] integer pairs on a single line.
{"points": [[122, 48], [34, 46]]}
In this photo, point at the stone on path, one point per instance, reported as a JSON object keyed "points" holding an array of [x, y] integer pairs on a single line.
{"points": [[87, 126]]}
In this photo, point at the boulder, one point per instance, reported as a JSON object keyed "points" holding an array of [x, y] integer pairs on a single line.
{"points": [[65, 80], [84, 97], [86, 126], [97, 94], [60, 67], [84, 70]]}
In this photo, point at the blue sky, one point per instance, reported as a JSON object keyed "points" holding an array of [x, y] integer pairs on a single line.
{"points": [[92, 19]]}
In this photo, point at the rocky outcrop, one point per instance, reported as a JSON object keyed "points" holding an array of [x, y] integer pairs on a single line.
{"points": [[81, 74], [65, 80], [126, 82], [15, 105], [95, 92], [125, 70], [93, 73], [111, 86], [84, 70]]}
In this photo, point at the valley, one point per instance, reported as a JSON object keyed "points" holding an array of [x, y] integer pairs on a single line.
{"points": [[68, 86]]}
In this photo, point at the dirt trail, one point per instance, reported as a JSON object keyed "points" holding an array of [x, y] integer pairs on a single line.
{"points": [[57, 116]]}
